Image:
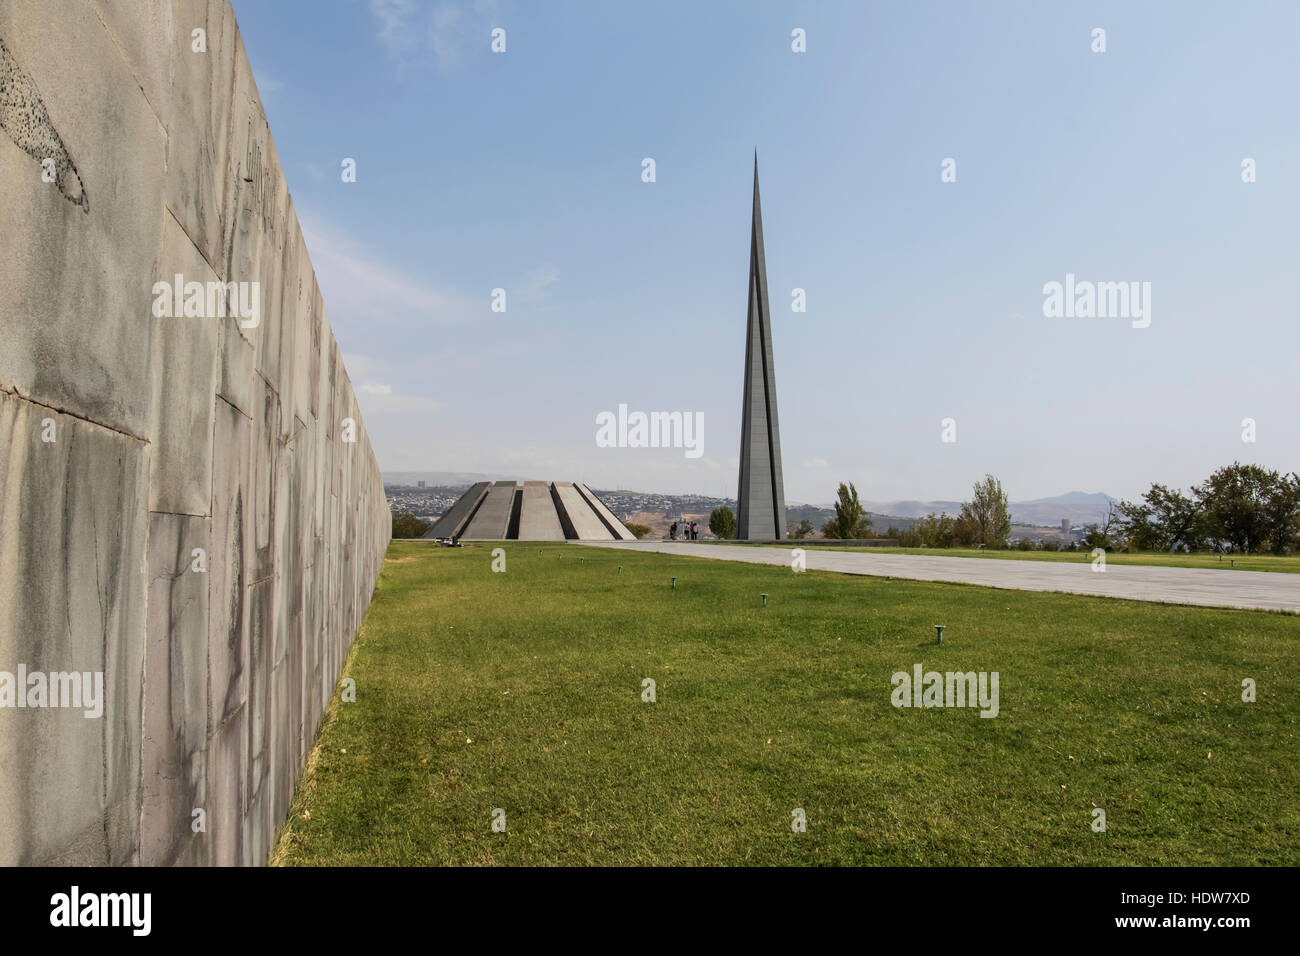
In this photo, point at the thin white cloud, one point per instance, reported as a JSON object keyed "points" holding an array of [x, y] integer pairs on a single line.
{"points": [[358, 287], [397, 26], [376, 395], [375, 405], [536, 281], [446, 35], [446, 32]]}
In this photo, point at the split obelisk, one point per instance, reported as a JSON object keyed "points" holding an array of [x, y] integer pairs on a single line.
{"points": [[760, 502]]}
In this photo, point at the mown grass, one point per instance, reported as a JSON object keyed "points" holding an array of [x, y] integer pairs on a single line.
{"points": [[1286, 564], [522, 691]]}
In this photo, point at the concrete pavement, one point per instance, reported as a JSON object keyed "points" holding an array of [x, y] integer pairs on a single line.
{"points": [[1254, 590]]}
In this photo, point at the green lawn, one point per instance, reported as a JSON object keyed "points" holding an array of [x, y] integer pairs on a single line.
{"points": [[522, 691], [1289, 564]]}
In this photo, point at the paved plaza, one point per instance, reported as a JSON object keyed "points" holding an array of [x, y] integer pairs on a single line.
{"points": [[1255, 590]]}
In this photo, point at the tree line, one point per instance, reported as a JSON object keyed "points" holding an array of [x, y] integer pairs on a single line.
{"points": [[1245, 509]]}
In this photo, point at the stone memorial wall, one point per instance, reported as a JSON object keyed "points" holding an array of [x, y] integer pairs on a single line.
{"points": [[191, 515]]}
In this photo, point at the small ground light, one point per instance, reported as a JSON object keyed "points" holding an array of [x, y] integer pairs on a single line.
{"points": [[939, 630], [674, 584], [764, 600], [620, 569]]}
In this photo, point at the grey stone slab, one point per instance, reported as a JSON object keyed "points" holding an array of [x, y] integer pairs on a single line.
{"points": [[264, 452], [261, 230], [538, 520], [1255, 590], [72, 597], [184, 376], [236, 361], [619, 529], [493, 516], [229, 565], [199, 115], [451, 524], [77, 270], [259, 606], [146, 35], [301, 348], [176, 686], [225, 794], [583, 520]]}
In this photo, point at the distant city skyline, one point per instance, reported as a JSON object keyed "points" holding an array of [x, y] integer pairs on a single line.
{"points": [[929, 171]]}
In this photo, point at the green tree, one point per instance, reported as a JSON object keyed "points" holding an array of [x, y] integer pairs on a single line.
{"points": [[850, 519], [988, 509], [966, 530], [802, 530], [1235, 499], [408, 525], [1164, 519], [1282, 514], [722, 522], [1095, 537], [936, 532], [639, 531]]}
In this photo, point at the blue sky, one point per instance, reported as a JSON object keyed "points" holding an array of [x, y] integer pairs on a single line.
{"points": [[522, 170]]}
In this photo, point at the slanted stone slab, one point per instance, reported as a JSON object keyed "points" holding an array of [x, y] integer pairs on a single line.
{"points": [[538, 520], [451, 524], [583, 522], [619, 529], [493, 516]]}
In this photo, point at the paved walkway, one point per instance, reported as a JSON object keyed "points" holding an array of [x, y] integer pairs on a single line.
{"points": [[1258, 590]]}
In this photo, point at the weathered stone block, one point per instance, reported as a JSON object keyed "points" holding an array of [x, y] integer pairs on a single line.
{"points": [[197, 112], [176, 685], [76, 274], [72, 546], [228, 571], [184, 370]]}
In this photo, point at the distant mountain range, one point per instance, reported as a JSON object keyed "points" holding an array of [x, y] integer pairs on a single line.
{"points": [[1079, 507]]}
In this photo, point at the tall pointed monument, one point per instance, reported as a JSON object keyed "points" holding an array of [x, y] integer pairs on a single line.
{"points": [[760, 502]]}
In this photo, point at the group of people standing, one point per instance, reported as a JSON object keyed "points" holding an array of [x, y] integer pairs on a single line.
{"points": [[690, 530]]}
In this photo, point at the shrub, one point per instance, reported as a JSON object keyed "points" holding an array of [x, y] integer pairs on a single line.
{"points": [[408, 526], [722, 522]]}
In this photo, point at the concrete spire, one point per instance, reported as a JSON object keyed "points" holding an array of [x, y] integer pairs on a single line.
{"points": [[760, 500]]}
